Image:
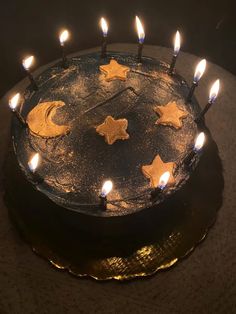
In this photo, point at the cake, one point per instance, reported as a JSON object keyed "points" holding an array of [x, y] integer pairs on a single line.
{"points": [[105, 119]]}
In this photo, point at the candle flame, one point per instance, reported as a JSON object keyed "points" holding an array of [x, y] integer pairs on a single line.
{"points": [[104, 26], [14, 101], [177, 43], [199, 142], [200, 68], [33, 163], [214, 91], [140, 30], [164, 180], [27, 62], [64, 35], [106, 188]]}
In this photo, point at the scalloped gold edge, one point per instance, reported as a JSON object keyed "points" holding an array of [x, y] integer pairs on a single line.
{"points": [[132, 276], [167, 265]]}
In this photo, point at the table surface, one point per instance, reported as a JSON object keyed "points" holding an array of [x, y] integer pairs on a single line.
{"points": [[202, 283]]}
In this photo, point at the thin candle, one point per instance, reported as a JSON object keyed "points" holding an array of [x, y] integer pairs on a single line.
{"points": [[13, 104], [141, 37], [33, 165], [198, 145], [106, 189], [27, 63], [200, 69], [104, 27], [64, 35], [176, 52], [164, 178], [212, 97]]}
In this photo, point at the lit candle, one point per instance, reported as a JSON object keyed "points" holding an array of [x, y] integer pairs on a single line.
{"points": [[176, 52], [164, 178], [200, 69], [33, 165], [106, 189], [198, 144], [64, 35], [104, 27], [13, 104], [212, 97], [141, 37], [27, 63]]}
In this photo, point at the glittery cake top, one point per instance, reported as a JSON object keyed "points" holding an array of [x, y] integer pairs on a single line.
{"points": [[107, 119]]}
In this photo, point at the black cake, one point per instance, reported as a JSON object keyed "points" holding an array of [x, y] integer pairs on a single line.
{"points": [[76, 159], [117, 119]]}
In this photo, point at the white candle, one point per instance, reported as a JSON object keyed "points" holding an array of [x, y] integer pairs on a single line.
{"points": [[214, 91], [106, 189], [141, 37], [104, 27], [199, 142], [164, 180], [33, 165], [212, 97], [33, 162], [63, 37], [177, 43], [176, 52], [13, 104], [27, 64], [200, 69], [140, 30]]}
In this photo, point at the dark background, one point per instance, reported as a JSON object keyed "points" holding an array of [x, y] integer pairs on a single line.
{"points": [[203, 283], [32, 26]]}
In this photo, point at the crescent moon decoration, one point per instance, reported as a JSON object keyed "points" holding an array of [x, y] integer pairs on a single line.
{"points": [[40, 120]]}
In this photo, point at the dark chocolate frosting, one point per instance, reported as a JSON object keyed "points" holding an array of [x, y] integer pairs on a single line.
{"points": [[74, 166]]}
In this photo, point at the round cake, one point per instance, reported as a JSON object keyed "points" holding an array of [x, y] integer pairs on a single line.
{"points": [[105, 119]]}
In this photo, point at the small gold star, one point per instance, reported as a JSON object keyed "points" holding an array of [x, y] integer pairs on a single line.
{"points": [[113, 129], [170, 114], [114, 71], [156, 170]]}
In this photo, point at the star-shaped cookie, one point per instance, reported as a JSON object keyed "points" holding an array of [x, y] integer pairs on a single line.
{"points": [[156, 170], [170, 114], [113, 129], [114, 71]]}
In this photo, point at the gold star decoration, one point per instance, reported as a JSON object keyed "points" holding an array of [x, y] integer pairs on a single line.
{"points": [[170, 114], [156, 170], [114, 71], [113, 129]]}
